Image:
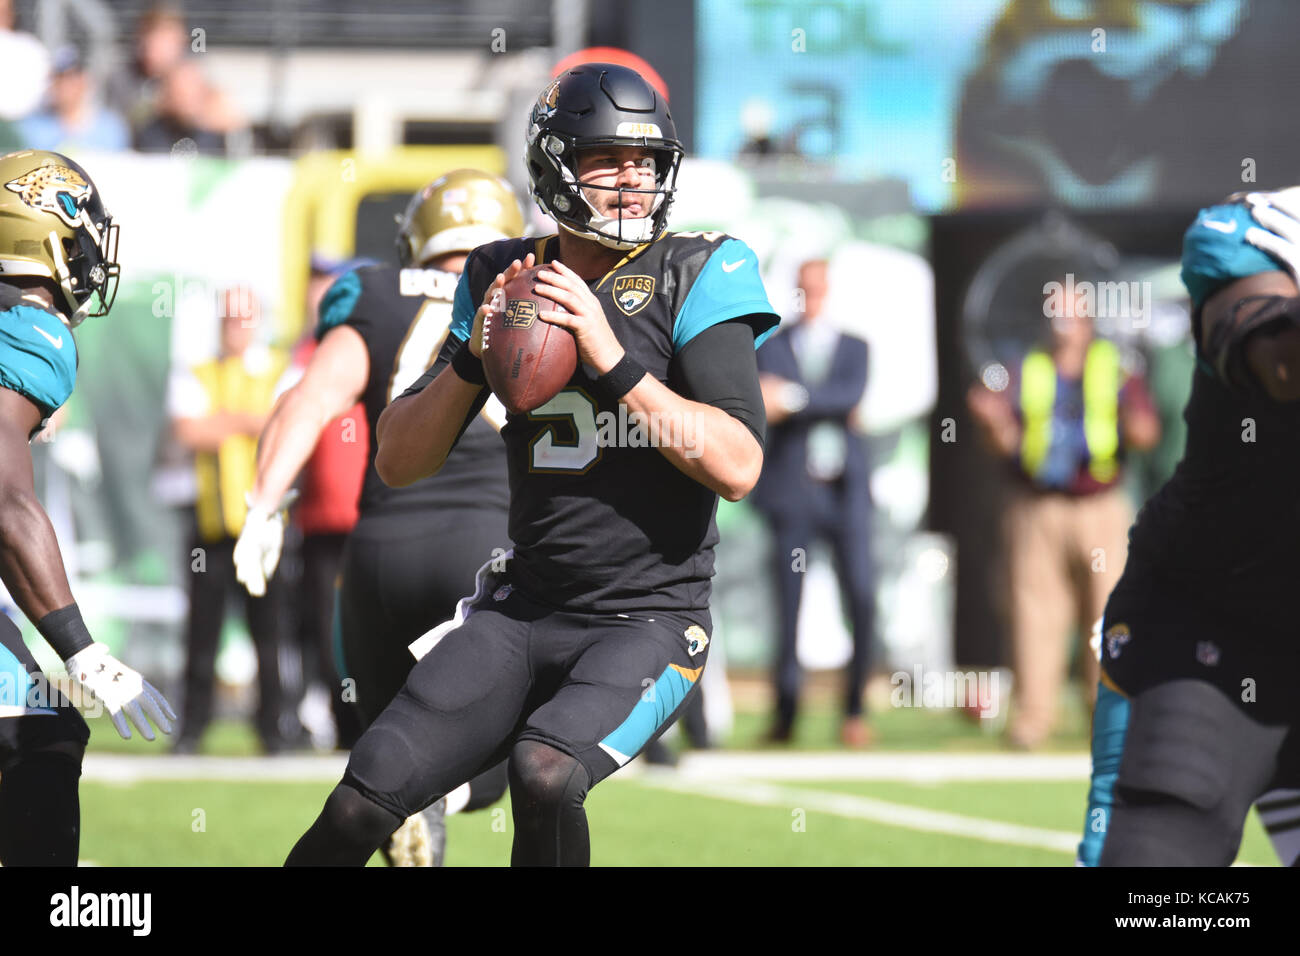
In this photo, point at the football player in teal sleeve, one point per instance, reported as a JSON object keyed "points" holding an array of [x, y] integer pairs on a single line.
{"points": [[380, 327], [1196, 711], [582, 643], [57, 267]]}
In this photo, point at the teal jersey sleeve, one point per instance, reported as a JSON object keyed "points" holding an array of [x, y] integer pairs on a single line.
{"points": [[462, 308], [728, 287], [339, 301], [1215, 251], [38, 358]]}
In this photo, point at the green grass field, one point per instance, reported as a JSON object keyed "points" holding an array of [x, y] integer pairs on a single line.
{"points": [[656, 818], [633, 823]]}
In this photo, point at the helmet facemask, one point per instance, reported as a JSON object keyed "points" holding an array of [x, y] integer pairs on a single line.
{"points": [[567, 204], [622, 232], [86, 267]]}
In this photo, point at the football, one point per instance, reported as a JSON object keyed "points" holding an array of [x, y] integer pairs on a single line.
{"points": [[526, 359]]}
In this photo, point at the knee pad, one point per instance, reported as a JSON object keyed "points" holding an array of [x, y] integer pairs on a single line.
{"points": [[542, 775], [380, 767], [547, 790], [349, 811]]}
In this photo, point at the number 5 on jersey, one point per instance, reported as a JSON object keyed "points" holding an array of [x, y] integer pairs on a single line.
{"points": [[549, 453]]}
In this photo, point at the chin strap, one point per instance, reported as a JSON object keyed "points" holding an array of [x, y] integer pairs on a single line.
{"points": [[627, 233]]}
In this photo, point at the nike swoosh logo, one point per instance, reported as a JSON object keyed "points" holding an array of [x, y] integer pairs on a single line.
{"points": [[732, 266], [57, 343], [1228, 227]]}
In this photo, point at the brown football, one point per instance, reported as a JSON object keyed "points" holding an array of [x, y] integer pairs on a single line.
{"points": [[526, 360]]}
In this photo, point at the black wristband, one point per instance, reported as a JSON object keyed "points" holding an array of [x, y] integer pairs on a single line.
{"points": [[65, 631], [622, 378], [468, 366]]}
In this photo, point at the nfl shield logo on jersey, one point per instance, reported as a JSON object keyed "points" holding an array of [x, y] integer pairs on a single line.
{"points": [[1207, 652]]}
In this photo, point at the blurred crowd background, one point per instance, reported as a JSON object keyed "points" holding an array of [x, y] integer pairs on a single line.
{"points": [[924, 169]]}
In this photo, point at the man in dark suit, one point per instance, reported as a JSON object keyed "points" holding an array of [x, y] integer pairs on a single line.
{"points": [[815, 485]]}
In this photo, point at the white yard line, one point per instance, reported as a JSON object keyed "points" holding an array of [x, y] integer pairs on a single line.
{"points": [[702, 766], [898, 767], [868, 808], [124, 769]]}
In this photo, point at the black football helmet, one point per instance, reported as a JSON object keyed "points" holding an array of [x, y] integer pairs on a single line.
{"points": [[600, 104]]}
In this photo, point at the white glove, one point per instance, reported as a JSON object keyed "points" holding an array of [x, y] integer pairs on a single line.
{"points": [[257, 551], [1278, 213], [121, 690], [77, 454]]}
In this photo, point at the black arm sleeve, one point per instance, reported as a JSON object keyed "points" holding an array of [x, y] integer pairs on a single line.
{"points": [[450, 347], [718, 368], [1256, 314]]}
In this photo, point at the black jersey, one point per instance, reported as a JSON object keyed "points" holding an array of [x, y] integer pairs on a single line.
{"points": [[1226, 526], [403, 315], [600, 520], [1225, 529]]}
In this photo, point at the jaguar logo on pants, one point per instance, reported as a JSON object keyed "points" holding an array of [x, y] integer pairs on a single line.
{"points": [[1116, 637]]}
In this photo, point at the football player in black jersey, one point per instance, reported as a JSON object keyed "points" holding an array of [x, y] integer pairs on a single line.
{"points": [[1196, 712], [580, 647], [414, 550]]}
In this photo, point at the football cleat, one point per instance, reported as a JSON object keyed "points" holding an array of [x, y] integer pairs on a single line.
{"points": [[421, 840]]}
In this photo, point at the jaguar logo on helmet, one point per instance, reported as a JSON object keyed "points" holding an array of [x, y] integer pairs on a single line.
{"points": [[57, 190], [547, 100], [56, 227]]}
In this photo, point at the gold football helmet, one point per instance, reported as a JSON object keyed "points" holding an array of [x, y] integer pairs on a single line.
{"points": [[53, 224], [456, 213]]}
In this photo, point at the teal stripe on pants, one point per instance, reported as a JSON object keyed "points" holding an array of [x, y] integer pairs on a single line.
{"points": [[1109, 726]]}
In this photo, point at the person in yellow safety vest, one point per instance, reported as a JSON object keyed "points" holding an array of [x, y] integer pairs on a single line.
{"points": [[1068, 416], [217, 409]]}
